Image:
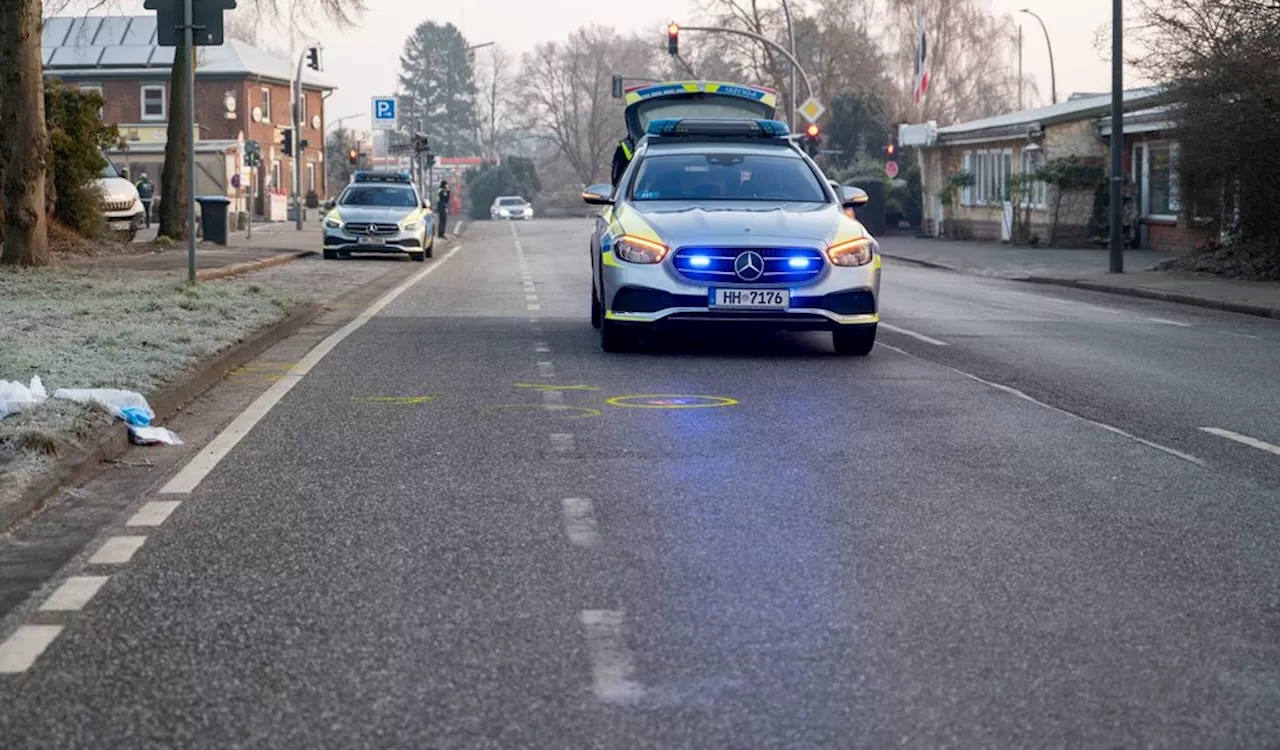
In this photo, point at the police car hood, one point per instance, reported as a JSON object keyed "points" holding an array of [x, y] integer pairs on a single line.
{"points": [[745, 222], [374, 214]]}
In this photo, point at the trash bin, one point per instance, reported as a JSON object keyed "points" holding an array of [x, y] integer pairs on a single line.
{"points": [[215, 222]]}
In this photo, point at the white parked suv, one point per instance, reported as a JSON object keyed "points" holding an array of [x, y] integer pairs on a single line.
{"points": [[510, 207], [120, 202]]}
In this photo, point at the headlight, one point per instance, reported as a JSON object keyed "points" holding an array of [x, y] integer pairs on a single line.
{"points": [[857, 252], [637, 250], [412, 226], [332, 223]]}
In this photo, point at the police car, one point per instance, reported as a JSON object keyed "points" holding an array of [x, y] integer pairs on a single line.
{"points": [[728, 222], [379, 212]]}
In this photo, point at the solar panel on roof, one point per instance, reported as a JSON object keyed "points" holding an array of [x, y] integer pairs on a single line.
{"points": [[75, 57], [141, 31], [47, 53], [162, 56], [54, 32], [82, 31], [130, 55], [111, 32]]}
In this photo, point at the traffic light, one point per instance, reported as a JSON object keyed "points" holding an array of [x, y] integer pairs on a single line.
{"points": [[673, 39], [812, 136], [313, 58], [287, 142], [617, 87], [890, 150], [353, 157]]}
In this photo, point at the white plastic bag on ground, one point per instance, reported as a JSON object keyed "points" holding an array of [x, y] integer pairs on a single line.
{"points": [[154, 436], [130, 406], [14, 396]]}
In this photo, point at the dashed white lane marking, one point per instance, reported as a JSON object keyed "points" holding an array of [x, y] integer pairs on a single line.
{"points": [[1261, 445], [1167, 322], [914, 335], [580, 522], [531, 298], [612, 670], [73, 594], [1242, 335], [153, 513], [553, 397], [546, 370], [533, 308], [206, 460], [561, 442], [541, 347], [20, 650], [117, 550]]}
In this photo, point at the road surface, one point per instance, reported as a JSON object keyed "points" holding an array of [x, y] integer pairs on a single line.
{"points": [[465, 526]]}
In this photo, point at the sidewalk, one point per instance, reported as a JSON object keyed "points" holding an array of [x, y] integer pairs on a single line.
{"points": [[1087, 269], [271, 244]]}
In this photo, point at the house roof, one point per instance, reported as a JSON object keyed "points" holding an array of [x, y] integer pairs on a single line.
{"points": [[1150, 120], [1016, 124], [126, 46]]}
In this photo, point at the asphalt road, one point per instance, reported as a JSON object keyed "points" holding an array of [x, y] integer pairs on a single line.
{"points": [[1005, 528]]}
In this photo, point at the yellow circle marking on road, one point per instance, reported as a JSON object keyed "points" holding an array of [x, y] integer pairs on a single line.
{"points": [[669, 401], [394, 400], [578, 412]]}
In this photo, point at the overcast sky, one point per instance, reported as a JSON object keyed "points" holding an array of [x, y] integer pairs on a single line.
{"points": [[363, 61]]}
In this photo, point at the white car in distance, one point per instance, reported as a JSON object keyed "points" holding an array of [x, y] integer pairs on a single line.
{"points": [[510, 207]]}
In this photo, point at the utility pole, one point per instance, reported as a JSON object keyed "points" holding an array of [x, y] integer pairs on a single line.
{"points": [[1117, 135], [1053, 72], [189, 42], [791, 37], [1021, 104]]}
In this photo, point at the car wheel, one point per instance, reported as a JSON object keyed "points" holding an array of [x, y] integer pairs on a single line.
{"points": [[330, 254], [597, 314], [616, 338], [854, 341], [418, 257], [431, 248]]}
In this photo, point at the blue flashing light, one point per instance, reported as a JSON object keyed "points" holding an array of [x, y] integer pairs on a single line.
{"points": [[734, 126], [798, 263], [700, 261]]}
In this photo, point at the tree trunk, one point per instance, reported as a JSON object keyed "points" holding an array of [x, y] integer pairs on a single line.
{"points": [[24, 142], [173, 178]]}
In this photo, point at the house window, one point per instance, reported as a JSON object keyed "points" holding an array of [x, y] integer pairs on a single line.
{"points": [[990, 171], [153, 103], [1163, 190], [266, 104], [1033, 192], [302, 111], [311, 177], [275, 175], [966, 193]]}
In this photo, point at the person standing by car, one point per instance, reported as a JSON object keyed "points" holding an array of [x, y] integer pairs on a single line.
{"points": [[443, 197], [146, 193]]}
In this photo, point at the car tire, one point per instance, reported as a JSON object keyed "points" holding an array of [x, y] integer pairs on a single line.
{"points": [[330, 254], [855, 341], [418, 257], [597, 311], [618, 339], [431, 248]]}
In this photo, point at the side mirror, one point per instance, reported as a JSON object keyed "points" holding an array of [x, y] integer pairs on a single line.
{"points": [[124, 172], [600, 194], [329, 203], [853, 196]]}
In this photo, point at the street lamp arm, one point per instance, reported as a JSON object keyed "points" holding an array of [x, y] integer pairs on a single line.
{"points": [[1053, 74], [783, 50]]}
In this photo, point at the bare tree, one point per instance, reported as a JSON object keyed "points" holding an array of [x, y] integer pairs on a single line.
{"points": [[497, 81], [24, 141]]}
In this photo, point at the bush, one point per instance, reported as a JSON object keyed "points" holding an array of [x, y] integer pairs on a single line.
{"points": [[77, 138], [515, 176]]}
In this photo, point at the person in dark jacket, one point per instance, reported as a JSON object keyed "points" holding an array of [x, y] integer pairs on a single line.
{"points": [[147, 194], [443, 197]]}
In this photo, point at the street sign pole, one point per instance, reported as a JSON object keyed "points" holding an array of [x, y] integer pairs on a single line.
{"points": [[297, 144], [189, 42], [1117, 137]]}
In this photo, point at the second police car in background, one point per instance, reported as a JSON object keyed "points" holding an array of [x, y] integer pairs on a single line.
{"points": [[379, 212], [510, 207], [728, 222]]}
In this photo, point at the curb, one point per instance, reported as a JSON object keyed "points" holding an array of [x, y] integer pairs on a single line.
{"points": [[166, 402], [1260, 311], [924, 263], [238, 269]]}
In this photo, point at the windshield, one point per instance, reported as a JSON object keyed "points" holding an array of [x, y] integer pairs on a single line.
{"points": [[511, 201], [109, 170], [379, 195], [726, 177]]}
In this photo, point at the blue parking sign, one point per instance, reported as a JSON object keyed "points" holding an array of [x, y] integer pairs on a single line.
{"points": [[384, 112]]}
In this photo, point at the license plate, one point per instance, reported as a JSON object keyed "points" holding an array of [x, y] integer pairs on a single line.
{"points": [[371, 241], [751, 299]]}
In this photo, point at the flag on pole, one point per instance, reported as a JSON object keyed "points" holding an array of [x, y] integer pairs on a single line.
{"points": [[922, 55]]}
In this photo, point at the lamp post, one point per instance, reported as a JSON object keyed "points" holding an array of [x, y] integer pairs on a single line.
{"points": [[791, 36], [1117, 137], [1053, 74]]}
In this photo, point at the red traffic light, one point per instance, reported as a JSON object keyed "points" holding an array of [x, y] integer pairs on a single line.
{"points": [[812, 131], [673, 38], [890, 149]]}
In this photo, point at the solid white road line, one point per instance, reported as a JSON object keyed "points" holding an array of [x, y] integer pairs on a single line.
{"points": [[20, 650], [612, 671], [206, 460], [913, 334], [580, 522], [1166, 322], [73, 594], [117, 550], [1242, 335], [153, 513], [1261, 445]]}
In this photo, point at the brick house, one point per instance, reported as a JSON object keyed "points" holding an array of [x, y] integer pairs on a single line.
{"points": [[994, 149], [242, 93]]}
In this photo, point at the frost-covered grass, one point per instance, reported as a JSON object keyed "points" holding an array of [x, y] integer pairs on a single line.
{"points": [[82, 329]]}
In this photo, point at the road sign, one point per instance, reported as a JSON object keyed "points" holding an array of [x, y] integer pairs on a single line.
{"points": [[385, 112], [812, 109], [891, 169], [206, 17]]}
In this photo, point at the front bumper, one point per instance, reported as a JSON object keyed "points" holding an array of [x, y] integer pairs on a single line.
{"points": [[655, 295], [399, 242]]}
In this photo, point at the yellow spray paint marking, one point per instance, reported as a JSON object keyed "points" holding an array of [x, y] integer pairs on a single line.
{"points": [[567, 412], [541, 387], [394, 400], [668, 401]]}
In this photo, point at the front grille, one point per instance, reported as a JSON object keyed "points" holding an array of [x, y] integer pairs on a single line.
{"points": [[114, 206], [715, 265], [377, 229]]}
